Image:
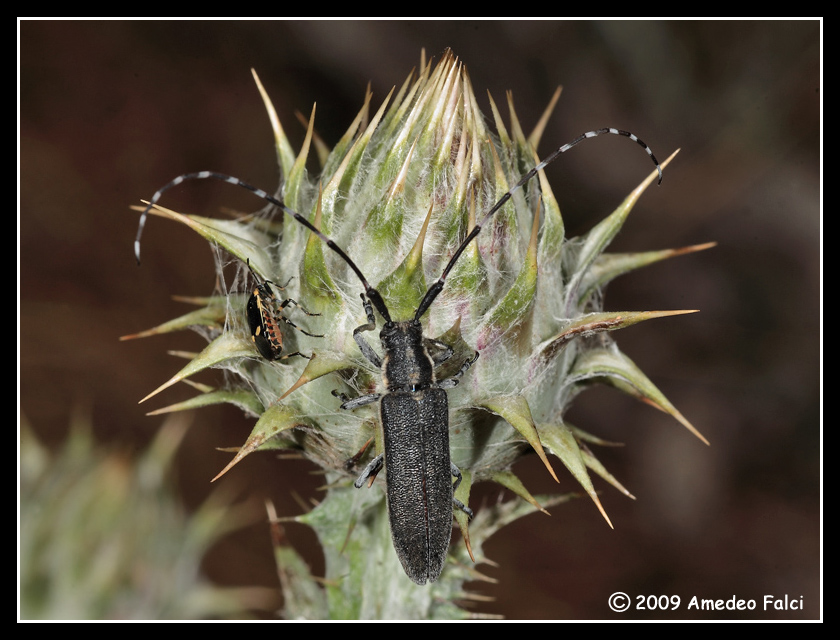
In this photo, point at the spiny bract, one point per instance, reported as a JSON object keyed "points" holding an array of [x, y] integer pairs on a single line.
{"points": [[398, 193], [104, 535]]}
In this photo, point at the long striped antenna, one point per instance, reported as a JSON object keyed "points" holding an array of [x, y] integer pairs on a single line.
{"points": [[372, 294], [436, 288]]}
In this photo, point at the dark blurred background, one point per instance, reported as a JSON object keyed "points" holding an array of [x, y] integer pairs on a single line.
{"points": [[110, 111]]}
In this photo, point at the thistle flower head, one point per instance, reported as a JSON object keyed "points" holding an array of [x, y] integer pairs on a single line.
{"points": [[398, 195]]}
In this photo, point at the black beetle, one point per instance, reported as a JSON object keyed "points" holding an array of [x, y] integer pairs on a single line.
{"points": [[414, 410], [415, 426]]}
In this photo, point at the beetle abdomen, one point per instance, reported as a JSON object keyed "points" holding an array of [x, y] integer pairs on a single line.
{"points": [[418, 478]]}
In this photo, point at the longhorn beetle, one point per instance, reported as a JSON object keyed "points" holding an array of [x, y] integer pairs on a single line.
{"points": [[264, 316], [414, 409]]}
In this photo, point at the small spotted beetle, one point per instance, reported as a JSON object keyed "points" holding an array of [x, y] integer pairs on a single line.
{"points": [[264, 315], [414, 410]]}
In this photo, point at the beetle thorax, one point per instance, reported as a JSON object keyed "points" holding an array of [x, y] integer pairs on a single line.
{"points": [[406, 364]]}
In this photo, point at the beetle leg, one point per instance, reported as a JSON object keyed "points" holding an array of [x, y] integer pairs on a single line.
{"points": [[285, 303], [364, 347], [439, 351], [463, 508], [451, 382], [456, 473], [351, 462], [296, 353], [370, 471], [357, 402], [292, 324]]}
